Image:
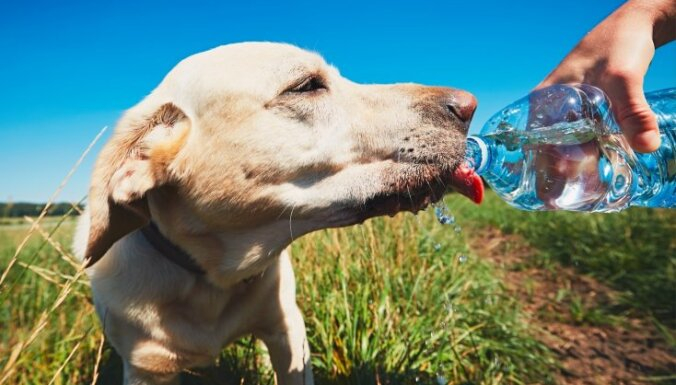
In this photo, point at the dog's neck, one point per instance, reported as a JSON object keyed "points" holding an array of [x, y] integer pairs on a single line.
{"points": [[227, 255], [220, 274], [169, 250]]}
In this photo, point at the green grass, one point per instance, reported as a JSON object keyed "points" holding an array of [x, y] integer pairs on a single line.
{"points": [[386, 302], [633, 251]]}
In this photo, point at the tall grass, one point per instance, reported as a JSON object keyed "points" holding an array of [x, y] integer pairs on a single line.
{"points": [[392, 300], [39, 331], [385, 302]]}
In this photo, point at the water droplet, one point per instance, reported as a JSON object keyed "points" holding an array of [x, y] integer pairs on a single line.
{"points": [[437, 247], [462, 258], [443, 214]]}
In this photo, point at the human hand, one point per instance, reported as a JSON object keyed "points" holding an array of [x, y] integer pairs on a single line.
{"points": [[615, 56]]}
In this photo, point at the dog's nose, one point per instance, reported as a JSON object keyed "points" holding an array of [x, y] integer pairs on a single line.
{"points": [[461, 104]]}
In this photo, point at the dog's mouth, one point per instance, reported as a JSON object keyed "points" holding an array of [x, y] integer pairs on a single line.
{"points": [[428, 185], [468, 183]]}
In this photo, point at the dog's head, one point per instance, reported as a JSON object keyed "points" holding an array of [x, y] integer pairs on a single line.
{"points": [[267, 136]]}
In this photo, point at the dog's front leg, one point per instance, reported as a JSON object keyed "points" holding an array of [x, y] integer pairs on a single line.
{"points": [[135, 376], [290, 351]]}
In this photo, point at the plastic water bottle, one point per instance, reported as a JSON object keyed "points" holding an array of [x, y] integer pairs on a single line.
{"points": [[559, 148]]}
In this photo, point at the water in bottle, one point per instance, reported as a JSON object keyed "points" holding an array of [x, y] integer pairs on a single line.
{"points": [[560, 148]]}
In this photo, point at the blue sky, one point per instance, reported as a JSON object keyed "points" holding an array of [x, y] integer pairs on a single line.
{"points": [[69, 68]]}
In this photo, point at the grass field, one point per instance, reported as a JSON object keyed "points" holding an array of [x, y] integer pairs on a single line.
{"points": [[394, 301]]}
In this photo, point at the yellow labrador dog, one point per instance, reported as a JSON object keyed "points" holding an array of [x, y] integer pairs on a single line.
{"points": [[205, 182]]}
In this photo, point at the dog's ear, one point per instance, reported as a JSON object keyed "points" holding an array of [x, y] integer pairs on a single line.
{"points": [[135, 160]]}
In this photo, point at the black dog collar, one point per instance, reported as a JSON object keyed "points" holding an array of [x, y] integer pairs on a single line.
{"points": [[169, 250]]}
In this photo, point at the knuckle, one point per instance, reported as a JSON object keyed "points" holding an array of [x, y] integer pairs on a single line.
{"points": [[620, 73], [637, 114]]}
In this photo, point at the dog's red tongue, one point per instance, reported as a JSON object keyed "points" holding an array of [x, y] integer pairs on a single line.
{"points": [[468, 183]]}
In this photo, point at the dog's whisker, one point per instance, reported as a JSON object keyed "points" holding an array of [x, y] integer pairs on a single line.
{"points": [[441, 181], [290, 224], [410, 197], [429, 186], [282, 211]]}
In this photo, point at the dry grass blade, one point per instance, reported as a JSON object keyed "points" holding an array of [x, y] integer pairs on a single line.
{"points": [[56, 193], [65, 362], [41, 324], [52, 276], [45, 274], [7, 375], [66, 256], [76, 207], [62, 297], [9, 367], [99, 355]]}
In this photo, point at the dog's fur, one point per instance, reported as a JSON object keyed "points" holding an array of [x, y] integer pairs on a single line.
{"points": [[240, 150]]}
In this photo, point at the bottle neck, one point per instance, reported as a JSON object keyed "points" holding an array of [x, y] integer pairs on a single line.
{"points": [[477, 153]]}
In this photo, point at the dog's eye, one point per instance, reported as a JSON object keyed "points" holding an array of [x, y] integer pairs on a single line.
{"points": [[311, 84]]}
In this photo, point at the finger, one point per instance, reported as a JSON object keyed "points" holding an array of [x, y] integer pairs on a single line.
{"points": [[570, 70], [555, 78], [545, 83], [636, 119]]}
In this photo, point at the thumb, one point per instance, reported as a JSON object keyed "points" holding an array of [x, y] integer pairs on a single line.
{"points": [[636, 119]]}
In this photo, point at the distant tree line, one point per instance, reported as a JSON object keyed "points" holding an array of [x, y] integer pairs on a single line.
{"points": [[21, 209]]}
